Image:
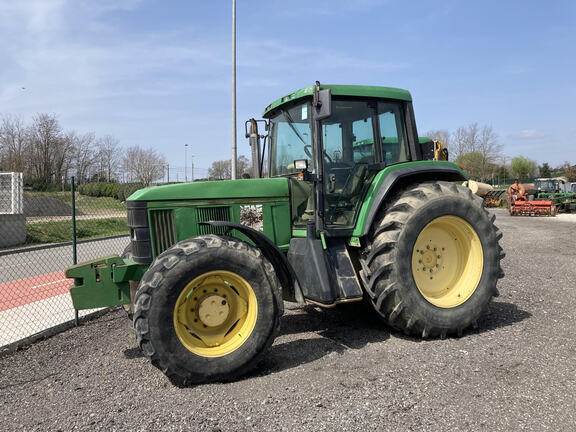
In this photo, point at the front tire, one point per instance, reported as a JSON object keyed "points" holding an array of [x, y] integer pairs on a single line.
{"points": [[433, 261], [207, 310]]}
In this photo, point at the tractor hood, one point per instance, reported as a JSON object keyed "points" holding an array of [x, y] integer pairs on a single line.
{"points": [[222, 189]]}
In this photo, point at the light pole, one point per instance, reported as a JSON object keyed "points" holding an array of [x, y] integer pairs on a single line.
{"points": [[234, 148], [192, 167], [185, 162]]}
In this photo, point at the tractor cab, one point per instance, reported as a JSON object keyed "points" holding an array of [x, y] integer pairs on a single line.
{"points": [[550, 185], [338, 137]]}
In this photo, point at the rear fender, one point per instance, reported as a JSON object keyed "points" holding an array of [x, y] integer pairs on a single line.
{"points": [[401, 178]]}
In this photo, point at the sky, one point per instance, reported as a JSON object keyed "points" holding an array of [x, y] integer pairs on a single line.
{"points": [[158, 73]]}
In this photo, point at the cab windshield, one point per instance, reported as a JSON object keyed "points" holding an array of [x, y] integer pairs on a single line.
{"points": [[290, 139], [546, 185]]}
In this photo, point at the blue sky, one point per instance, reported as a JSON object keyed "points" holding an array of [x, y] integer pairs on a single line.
{"points": [[157, 73]]}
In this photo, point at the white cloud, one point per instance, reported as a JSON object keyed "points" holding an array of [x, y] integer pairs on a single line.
{"points": [[528, 134], [36, 16]]}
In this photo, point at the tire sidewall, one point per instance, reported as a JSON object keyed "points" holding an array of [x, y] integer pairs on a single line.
{"points": [[462, 315], [160, 317]]}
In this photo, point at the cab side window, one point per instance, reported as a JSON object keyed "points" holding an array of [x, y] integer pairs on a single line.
{"points": [[390, 119]]}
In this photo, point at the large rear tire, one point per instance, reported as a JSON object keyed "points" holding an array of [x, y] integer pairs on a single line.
{"points": [[432, 263], [207, 309]]}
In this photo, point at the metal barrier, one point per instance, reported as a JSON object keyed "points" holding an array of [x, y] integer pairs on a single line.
{"points": [[42, 235]]}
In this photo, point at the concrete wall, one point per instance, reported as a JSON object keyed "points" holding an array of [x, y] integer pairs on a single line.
{"points": [[12, 230]]}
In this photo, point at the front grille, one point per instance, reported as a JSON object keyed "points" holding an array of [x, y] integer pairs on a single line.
{"points": [[164, 232], [205, 214]]}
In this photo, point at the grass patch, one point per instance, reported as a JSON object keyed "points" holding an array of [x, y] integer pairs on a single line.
{"points": [[61, 231], [85, 204]]}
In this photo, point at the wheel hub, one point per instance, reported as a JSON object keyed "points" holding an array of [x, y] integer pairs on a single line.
{"points": [[213, 310], [430, 259]]}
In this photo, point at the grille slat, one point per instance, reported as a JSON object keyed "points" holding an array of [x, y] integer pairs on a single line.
{"points": [[165, 234], [205, 214]]}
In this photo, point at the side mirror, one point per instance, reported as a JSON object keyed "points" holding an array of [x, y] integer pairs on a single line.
{"points": [[322, 104]]}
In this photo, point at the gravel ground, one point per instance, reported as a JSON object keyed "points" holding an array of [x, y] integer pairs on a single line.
{"points": [[334, 370]]}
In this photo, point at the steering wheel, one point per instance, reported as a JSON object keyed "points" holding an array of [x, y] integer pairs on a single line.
{"points": [[308, 151]]}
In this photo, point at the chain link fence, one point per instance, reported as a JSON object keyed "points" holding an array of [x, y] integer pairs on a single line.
{"points": [[37, 244]]}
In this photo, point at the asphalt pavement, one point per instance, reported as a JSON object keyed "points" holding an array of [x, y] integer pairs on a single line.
{"points": [[334, 370], [28, 262], [34, 291]]}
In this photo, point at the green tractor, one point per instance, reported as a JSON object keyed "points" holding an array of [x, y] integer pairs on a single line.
{"points": [[344, 207], [559, 191]]}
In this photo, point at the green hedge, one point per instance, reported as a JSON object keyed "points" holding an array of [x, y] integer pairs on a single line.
{"points": [[120, 191]]}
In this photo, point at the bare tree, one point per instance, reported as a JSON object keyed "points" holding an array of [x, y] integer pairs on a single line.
{"points": [[488, 146], [464, 140], [481, 143], [84, 154], [46, 142], [144, 165], [220, 170], [441, 135], [63, 158], [110, 156], [13, 144]]}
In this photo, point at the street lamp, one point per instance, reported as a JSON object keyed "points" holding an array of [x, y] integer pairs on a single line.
{"points": [[185, 162], [234, 147]]}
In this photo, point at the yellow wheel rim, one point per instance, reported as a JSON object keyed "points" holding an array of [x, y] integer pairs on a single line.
{"points": [[447, 261], [215, 313]]}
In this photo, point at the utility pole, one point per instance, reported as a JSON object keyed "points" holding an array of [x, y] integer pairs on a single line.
{"points": [[185, 162], [234, 146]]}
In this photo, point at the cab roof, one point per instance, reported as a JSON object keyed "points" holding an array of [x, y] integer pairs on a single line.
{"points": [[343, 90]]}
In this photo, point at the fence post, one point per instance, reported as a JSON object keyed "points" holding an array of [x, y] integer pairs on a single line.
{"points": [[74, 239]]}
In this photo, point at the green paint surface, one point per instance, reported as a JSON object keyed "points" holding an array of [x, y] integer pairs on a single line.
{"points": [[379, 180], [343, 90], [244, 188], [103, 282]]}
